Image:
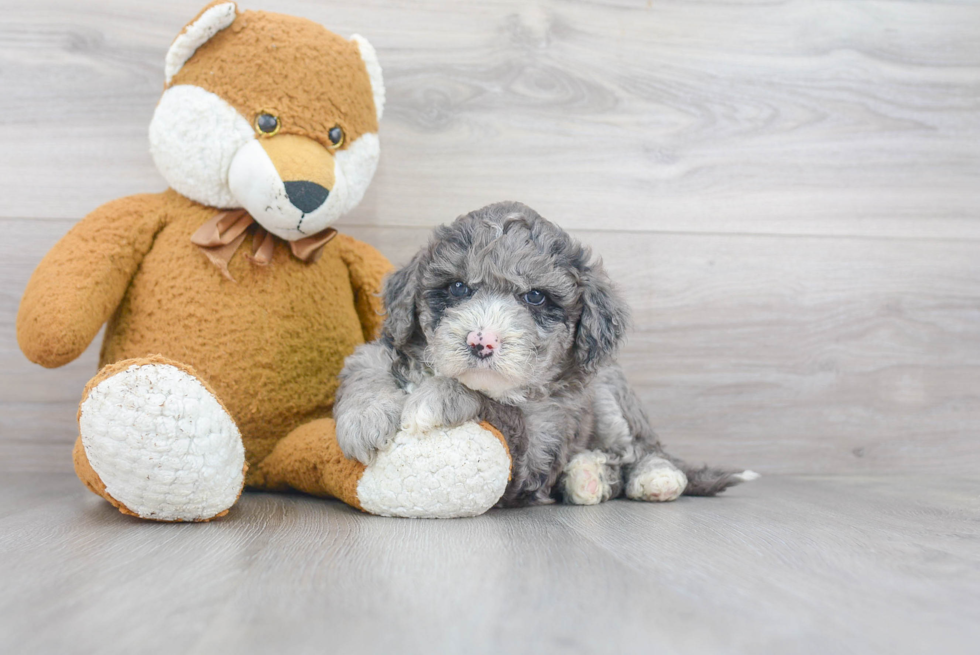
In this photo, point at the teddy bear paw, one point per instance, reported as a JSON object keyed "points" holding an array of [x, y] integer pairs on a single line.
{"points": [[162, 444], [443, 473]]}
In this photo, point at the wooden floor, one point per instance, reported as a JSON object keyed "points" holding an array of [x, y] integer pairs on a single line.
{"points": [[790, 564]]}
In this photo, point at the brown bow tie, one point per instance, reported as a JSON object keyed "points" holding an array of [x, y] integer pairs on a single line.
{"points": [[220, 237]]}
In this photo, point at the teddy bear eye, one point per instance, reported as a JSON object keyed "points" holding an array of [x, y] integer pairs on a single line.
{"points": [[534, 297], [336, 136], [267, 124], [459, 289]]}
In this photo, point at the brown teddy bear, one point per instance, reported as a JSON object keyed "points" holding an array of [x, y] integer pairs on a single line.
{"points": [[229, 301]]}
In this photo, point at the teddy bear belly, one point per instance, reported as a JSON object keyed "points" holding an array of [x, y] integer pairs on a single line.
{"points": [[271, 344]]}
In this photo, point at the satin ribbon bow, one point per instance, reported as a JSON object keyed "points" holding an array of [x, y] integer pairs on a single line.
{"points": [[221, 236]]}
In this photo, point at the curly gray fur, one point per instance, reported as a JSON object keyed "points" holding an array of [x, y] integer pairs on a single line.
{"points": [[551, 387]]}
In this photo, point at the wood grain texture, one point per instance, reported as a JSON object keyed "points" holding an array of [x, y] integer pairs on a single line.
{"points": [[796, 117], [786, 565]]}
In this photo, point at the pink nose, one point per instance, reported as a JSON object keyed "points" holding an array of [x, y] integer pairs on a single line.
{"points": [[482, 343]]}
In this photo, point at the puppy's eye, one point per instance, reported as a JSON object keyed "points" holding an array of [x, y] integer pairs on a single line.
{"points": [[534, 297], [267, 124], [459, 290], [336, 136]]}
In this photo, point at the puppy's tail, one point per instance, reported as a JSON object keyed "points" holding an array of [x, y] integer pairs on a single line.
{"points": [[709, 481]]}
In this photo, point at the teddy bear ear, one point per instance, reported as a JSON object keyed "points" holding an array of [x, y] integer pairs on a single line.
{"points": [[214, 18], [370, 58]]}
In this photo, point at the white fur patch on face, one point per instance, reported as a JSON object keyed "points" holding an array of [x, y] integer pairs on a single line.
{"points": [[256, 185], [162, 445], [445, 473], [197, 34], [370, 58], [512, 364], [194, 137], [495, 385]]}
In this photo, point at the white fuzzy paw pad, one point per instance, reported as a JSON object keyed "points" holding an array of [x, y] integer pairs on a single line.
{"points": [[584, 481], [162, 445], [656, 480], [445, 473]]}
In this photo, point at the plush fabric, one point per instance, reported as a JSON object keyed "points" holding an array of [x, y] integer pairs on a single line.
{"points": [[271, 344], [252, 61], [452, 472]]}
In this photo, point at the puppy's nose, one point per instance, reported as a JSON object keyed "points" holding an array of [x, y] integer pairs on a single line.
{"points": [[306, 196], [482, 343]]}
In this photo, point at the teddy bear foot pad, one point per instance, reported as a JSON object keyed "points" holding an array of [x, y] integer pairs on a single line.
{"points": [[446, 473], [162, 444]]}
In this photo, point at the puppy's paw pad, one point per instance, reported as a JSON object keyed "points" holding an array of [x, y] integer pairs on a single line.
{"points": [[583, 482], [163, 446], [657, 484]]}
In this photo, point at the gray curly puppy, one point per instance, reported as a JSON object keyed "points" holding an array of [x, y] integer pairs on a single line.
{"points": [[505, 317]]}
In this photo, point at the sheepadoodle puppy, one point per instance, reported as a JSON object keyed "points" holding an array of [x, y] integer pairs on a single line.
{"points": [[507, 318]]}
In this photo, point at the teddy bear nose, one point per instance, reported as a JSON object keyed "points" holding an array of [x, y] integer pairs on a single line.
{"points": [[306, 196], [482, 343]]}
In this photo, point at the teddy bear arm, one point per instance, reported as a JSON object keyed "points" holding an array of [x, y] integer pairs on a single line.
{"points": [[367, 268], [83, 278]]}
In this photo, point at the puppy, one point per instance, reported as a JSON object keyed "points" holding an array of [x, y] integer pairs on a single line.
{"points": [[505, 317]]}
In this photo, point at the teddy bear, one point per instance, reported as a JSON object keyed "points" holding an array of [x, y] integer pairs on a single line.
{"points": [[230, 304]]}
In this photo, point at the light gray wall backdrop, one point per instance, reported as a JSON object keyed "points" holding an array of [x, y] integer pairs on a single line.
{"points": [[786, 192]]}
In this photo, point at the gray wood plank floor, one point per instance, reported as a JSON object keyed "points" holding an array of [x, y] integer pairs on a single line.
{"points": [[786, 565]]}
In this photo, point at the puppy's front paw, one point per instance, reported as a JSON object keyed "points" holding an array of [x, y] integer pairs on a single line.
{"points": [[422, 414], [361, 434], [438, 402]]}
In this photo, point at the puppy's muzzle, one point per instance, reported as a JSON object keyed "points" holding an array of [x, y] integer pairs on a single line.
{"points": [[482, 343]]}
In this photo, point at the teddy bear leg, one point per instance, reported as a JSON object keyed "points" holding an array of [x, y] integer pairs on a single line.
{"points": [[446, 473], [308, 459], [156, 443]]}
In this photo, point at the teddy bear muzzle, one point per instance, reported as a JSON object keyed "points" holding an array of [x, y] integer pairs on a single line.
{"points": [[286, 182]]}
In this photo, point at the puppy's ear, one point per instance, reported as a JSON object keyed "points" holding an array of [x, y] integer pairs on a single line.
{"points": [[603, 323], [400, 290]]}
